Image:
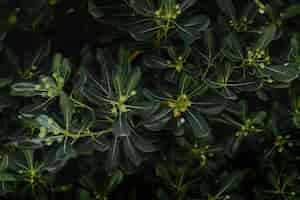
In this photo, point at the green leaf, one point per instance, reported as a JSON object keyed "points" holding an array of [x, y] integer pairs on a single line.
{"points": [[268, 35], [84, 195], [5, 81], [185, 83], [115, 180], [7, 177], [57, 158], [230, 182], [133, 80], [143, 7], [143, 145], [113, 156], [295, 48], [186, 4], [291, 11], [97, 144], [198, 124], [228, 93], [158, 120], [7, 182], [162, 195], [121, 127], [190, 29], [39, 55], [143, 29], [61, 66], [235, 145], [154, 61], [130, 151], [4, 162], [94, 11], [67, 108], [282, 73], [227, 7], [48, 123], [4, 103], [212, 105], [234, 51], [259, 117], [24, 89]]}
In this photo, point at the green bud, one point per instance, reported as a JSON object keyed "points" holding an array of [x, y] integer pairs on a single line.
{"points": [[261, 11], [122, 99], [37, 87], [47, 86], [293, 193], [60, 139], [123, 108], [49, 142], [43, 132], [290, 144], [60, 80], [12, 19], [133, 93], [50, 121]]}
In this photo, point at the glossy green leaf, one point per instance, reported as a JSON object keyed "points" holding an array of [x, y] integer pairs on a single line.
{"points": [[24, 89], [228, 8], [115, 180], [61, 66], [130, 151], [198, 124], [144, 145], [267, 36], [5, 81], [94, 11], [67, 108], [186, 4], [291, 11], [48, 123], [4, 162], [84, 195], [158, 120], [121, 127], [143, 29], [234, 51], [7, 177], [230, 182], [153, 61], [113, 156], [283, 73], [133, 80], [190, 29]]}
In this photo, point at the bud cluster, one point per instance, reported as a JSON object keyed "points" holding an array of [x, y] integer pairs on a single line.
{"points": [[181, 105]]}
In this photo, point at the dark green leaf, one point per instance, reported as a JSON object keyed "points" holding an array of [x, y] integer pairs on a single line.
{"points": [[24, 89], [291, 11], [228, 8], [268, 35], [198, 124], [94, 11], [283, 73], [115, 180], [67, 108], [189, 30]]}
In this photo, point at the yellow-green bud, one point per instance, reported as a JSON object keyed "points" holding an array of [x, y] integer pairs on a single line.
{"points": [[133, 93], [12, 19], [123, 99], [37, 87]]}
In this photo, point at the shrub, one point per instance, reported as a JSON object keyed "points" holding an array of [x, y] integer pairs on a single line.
{"points": [[149, 99]]}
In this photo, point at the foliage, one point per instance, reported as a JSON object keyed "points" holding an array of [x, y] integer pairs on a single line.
{"points": [[180, 99]]}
